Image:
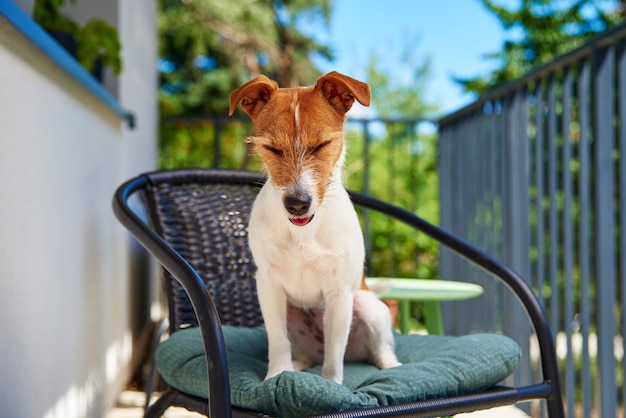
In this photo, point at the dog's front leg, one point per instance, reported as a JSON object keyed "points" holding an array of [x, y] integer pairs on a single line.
{"points": [[337, 321], [273, 302]]}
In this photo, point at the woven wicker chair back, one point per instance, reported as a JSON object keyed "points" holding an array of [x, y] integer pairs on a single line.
{"points": [[208, 225]]}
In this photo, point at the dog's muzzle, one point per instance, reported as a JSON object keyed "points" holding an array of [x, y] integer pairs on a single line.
{"points": [[298, 207]]}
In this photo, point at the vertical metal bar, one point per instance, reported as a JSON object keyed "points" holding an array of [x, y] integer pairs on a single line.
{"points": [[539, 167], [499, 187], [485, 192], [489, 165], [533, 110], [621, 94], [456, 174], [471, 178], [553, 252], [493, 163], [447, 162], [482, 238], [518, 237], [605, 225], [484, 215], [461, 214], [484, 186], [443, 159], [459, 203], [496, 124], [568, 299], [468, 179], [501, 126], [480, 197], [450, 161], [539, 270], [584, 239]]}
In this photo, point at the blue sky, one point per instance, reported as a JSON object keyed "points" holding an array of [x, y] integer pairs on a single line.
{"points": [[454, 34]]}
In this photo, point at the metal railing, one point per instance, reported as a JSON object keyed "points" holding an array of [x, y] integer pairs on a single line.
{"points": [[535, 174]]}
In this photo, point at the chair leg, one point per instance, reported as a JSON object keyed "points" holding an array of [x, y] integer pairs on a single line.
{"points": [[555, 407], [157, 409], [160, 329]]}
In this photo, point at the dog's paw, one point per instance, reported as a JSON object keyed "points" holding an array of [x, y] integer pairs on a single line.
{"points": [[275, 371], [390, 364], [387, 361], [332, 374]]}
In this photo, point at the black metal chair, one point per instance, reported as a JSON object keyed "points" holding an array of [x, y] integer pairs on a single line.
{"points": [[210, 282]]}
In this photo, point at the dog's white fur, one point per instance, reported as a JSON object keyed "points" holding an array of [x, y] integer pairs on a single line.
{"points": [[317, 265], [313, 266]]}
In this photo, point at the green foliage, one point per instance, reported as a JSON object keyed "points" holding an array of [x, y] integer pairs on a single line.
{"points": [[402, 167], [96, 40], [402, 170], [207, 49], [400, 95], [549, 29], [47, 13], [203, 143], [210, 47]]}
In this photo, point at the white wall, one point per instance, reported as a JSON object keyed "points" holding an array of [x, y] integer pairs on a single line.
{"points": [[70, 325]]}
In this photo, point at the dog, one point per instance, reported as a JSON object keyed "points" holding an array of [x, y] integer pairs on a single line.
{"points": [[304, 233]]}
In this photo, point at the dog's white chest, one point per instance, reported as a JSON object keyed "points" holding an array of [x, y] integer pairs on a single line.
{"points": [[306, 269], [308, 261]]}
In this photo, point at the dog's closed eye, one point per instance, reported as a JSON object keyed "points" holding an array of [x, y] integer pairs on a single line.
{"points": [[319, 147], [273, 150]]}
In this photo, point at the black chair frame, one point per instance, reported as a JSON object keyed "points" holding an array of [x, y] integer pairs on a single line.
{"points": [[218, 404]]}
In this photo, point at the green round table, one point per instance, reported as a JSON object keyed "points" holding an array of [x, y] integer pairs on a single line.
{"points": [[431, 292]]}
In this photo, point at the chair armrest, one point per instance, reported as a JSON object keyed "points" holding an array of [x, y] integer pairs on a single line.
{"points": [[172, 261], [502, 272]]}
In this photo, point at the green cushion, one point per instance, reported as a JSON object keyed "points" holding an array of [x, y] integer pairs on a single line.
{"points": [[433, 366]]}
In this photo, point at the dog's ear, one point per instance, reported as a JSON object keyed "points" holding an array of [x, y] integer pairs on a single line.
{"points": [[341, 90], [253, 95]]}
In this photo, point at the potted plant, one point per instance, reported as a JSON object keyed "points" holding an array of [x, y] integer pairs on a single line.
{"points": [[98, 42], [94, 44]]}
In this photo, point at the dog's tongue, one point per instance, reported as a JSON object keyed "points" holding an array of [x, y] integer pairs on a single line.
{"points": [[301, 221]]}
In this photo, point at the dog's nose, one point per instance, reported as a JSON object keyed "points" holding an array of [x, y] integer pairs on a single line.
{"points": [[297, 205]]}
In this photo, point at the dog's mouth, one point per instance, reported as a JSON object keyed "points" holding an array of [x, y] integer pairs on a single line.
{"points": [[301, 221]]}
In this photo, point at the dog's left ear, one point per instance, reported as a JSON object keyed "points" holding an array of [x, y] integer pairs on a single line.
{"points": [[253, 95], [341, 90]]}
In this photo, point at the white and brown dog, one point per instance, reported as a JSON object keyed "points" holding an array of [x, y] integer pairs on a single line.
{"points": [[304, 233]]}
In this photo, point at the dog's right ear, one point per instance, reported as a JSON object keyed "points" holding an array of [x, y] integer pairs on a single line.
{"points": [[253, 95]]}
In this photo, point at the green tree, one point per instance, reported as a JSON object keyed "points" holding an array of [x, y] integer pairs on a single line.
{"points": [[549, 28], [210, 47], [400, 95], [207, 48], [402, 164]]}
